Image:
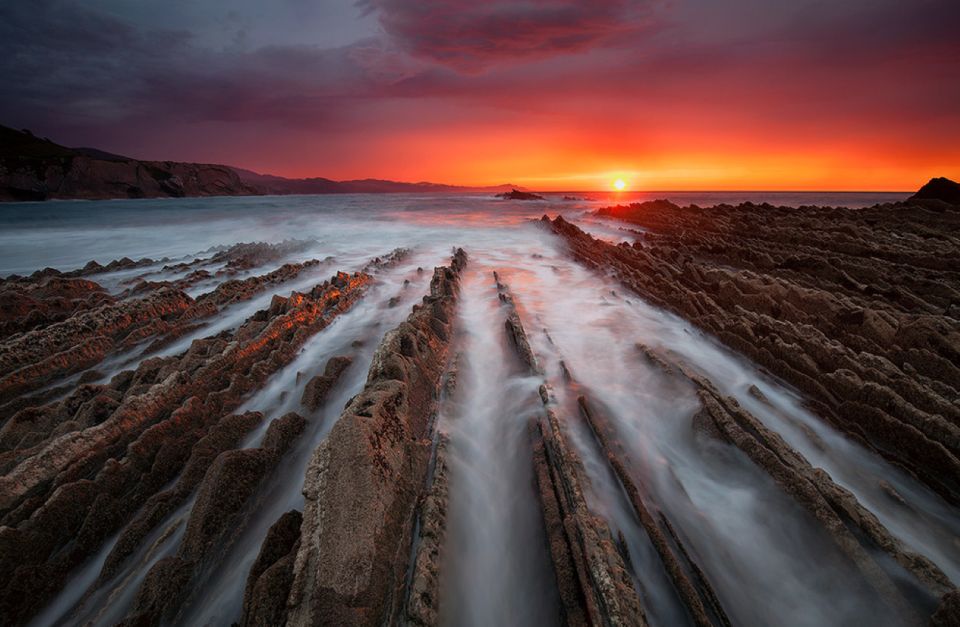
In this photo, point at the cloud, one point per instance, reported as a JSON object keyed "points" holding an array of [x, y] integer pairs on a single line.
{"points": [[70, 65], [471, 36]]}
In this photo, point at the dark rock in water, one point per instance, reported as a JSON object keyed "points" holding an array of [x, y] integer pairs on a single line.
{"points": [[268, 585], [27, 304], [948, 612], [852, 306], [224, 496], [230, 482], [637, 210], [939, 189], [516, 194], [90, 466], [318, 388], [365, 479], [224, 436], [591, 572], [165, 587]]}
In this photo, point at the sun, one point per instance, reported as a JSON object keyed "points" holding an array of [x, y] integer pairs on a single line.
{"points": [[619, 185]]}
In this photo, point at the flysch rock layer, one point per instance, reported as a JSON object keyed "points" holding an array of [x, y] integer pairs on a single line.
{"points": [[593, 580], [855, 307], [423, 587], [102, 323], [86, 476], [365, 479], [270, 577], [856, 532], [226, 492]]}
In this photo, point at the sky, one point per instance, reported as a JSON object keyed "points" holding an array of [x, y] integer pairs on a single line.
{"points": [[547, 94]]}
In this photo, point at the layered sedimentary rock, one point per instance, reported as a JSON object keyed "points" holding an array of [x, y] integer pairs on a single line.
{"points": [[318, 388], [225, 494], [29, 304], [88, 465], [856, 308], [30, 359], [224, 436], [855, 530], [86, 329], [592, 576], [424, 585], [270, 578], [364, 480]]}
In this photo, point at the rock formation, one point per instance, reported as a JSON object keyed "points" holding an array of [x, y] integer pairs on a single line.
{"points": [[856, 308], [515, 194], [36, 169], [77, 475], [939, 189], [364, 480]]}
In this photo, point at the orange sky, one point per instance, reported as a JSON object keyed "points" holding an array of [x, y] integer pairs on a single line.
{"points": [[548, 94]]}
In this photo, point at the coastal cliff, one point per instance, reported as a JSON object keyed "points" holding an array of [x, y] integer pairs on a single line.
{"points": [[32, 168]]}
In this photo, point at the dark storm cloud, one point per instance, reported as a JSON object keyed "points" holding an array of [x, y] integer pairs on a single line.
{"points": [[66, 64], [471, 35]]}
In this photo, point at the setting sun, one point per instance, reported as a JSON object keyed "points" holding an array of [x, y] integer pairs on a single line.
{"points": [[619, 185]]}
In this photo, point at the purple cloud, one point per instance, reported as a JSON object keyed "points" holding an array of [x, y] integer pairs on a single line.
{"points": [[470, 36]]}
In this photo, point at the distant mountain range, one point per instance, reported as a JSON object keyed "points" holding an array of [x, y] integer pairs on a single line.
{"points": [[34, 168]]}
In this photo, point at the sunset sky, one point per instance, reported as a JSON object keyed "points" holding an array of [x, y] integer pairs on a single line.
{"points": [[548, 94]]}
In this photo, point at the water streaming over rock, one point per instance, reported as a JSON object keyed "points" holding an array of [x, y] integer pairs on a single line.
{"points": [[767, 559]]}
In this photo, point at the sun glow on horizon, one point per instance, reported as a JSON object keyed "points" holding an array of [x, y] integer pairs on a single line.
{"points": [[619, 185]]}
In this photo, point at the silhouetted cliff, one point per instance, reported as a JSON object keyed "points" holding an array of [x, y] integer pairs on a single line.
{"points": [[32, 168]]}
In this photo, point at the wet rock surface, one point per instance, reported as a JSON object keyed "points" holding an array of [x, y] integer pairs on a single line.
{"points": [[531, 444], [856, 308], [592, 576], [364, 480], [62, 335], [79, 469], [225, 493], [317, 390], [29, 304], [268, 585]]}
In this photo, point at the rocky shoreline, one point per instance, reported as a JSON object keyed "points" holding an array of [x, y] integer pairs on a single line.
{"points": [[856, 308], [145, 478]]}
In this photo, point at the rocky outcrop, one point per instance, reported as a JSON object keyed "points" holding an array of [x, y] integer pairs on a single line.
{"points": [[593, 578], [689, 581], [224, 436], [268, 585], [423, 587], [27, 304], [856, 308], [515, 194], [364, 480], [33, 358], [30, 360], [87, 476], [226, 492], [318, 388], [856, 532], [948, 612], [36, 169], [939, 189]]}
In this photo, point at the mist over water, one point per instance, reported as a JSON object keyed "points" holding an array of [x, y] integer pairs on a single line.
{"points": [[766, 557]]}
